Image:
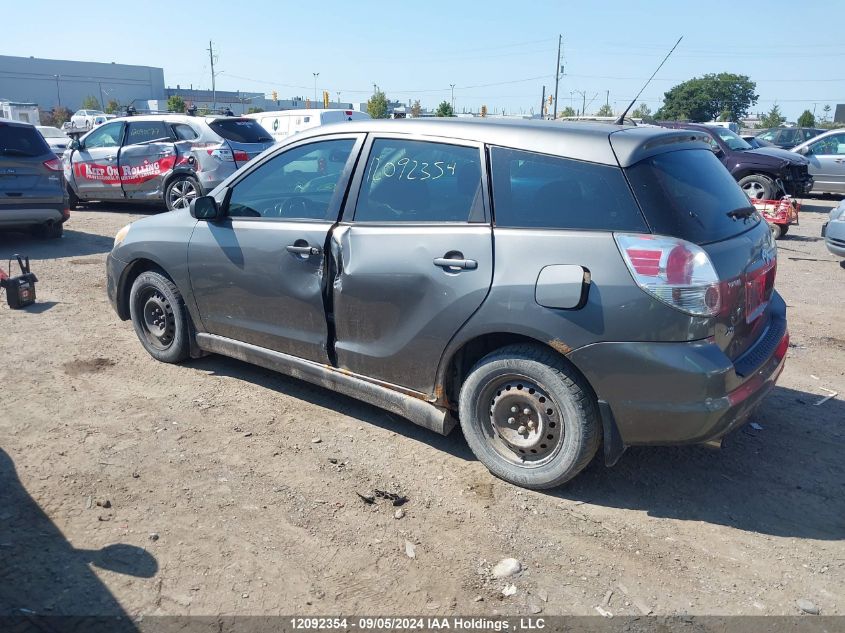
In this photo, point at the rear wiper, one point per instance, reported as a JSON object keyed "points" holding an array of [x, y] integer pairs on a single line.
{"points": [[741, 214]]}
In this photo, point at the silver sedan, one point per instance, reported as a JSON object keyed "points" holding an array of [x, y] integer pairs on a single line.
{"points": [[826, 153]]}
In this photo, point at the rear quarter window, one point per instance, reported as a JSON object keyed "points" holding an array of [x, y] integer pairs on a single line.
{"points": [[533, 190], [240, 130], [19, 140], [689, 194]]}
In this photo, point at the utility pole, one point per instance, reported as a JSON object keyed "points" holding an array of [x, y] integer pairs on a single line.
{"points": [[607, 98], [58, 93], [543, 103], [315, 85], [338, 97], [213, 84], [557, 74], [452, 86]]}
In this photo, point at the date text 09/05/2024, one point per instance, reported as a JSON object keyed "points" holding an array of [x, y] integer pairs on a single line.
{"points": [[418, 624]]}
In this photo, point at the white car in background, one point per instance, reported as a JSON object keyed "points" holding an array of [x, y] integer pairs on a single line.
{"points": [[284, 123], [87, 119], [56, 138]]}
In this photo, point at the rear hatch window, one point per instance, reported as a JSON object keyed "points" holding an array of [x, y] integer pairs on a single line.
{"points": [[241, 130], [689, 194], [21, 141]]}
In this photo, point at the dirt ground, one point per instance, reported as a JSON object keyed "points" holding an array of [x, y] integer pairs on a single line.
{"points": [[133, 487]]}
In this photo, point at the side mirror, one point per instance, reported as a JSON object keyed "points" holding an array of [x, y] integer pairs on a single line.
{"points": [[805, 150], [716, 150], [205, 208], [75, 144]]}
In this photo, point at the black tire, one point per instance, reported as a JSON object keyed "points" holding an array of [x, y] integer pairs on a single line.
{"points": [[494, 407], [51, 231], [72, 198], [784, 229], [758, 187], [159, 317], [180, 191]]}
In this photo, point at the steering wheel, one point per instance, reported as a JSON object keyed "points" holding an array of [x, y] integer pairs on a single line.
{"points": [[296, 207]]}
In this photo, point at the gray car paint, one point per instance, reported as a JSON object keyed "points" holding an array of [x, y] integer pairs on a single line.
{"points": [[828, 170], [30, 193], [617, 324]]}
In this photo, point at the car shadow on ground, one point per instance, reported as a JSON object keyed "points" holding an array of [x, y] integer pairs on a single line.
{"points": [[817, 206], [453, 444], [134, 208], [72, 244], [783, 479], [43, 575]]}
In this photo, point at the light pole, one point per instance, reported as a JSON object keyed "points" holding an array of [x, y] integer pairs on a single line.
{"points": [[58, 94], [452, 86], [315, 86]]}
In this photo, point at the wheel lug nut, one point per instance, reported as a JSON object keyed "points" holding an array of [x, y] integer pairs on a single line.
{"points": [[531, 424], [514, 409], [511, 420], [526, 411], [522, 430]]}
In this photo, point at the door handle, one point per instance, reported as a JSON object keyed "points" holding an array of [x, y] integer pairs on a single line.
{"points": [[448, 262], [110, 157], [304, 250], [839, 160]]}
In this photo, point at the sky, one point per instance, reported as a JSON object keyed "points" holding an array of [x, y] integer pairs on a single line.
{"points": [[499, 54]]}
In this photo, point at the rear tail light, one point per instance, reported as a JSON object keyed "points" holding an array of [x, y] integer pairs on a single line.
{"points": [[221, 153], [241, 156], [54, 164], [674, 271]]}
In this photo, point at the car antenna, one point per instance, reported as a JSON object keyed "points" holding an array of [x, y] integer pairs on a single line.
{"points": [[621, 119]]}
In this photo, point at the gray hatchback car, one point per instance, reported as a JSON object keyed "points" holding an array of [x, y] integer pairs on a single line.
{"points": [[32, 188], [554, 288]]}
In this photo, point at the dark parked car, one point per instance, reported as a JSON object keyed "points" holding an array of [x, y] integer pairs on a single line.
{"points": [[788, 137], [32, 187], [629, 298], [766, 173], [755, 142]]}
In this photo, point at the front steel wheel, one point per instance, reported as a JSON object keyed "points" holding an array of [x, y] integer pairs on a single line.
{"points": [[529, 416], [159, 317]]}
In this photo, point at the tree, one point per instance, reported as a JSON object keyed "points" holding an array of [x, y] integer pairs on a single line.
{"points": [[806, 119], [605, 110], [826, 115], [773, 118], [377, 105], [641, 111], [444, 109], [705, 98], [567, 111], [60, 115], [90, 103], [112, 106], [175, 103], [254, 110], [483, 111], [416, 109]]}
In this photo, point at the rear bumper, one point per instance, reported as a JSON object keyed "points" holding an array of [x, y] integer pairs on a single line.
{"points": [[31, 214], [683, 393]]}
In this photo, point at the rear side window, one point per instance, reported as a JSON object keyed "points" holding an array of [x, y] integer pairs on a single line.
{"points": [[184, 132], [689, 194], [146, 131], [419, 181], [18, 140], [537, 191], [240, 130]]}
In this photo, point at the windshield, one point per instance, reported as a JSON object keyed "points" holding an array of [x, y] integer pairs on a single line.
{"points": [[731, 139], [689, 194], [240, 130]]}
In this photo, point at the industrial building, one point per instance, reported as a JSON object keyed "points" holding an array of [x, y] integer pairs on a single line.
{"points": [[65, 83], [240, 102]]}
